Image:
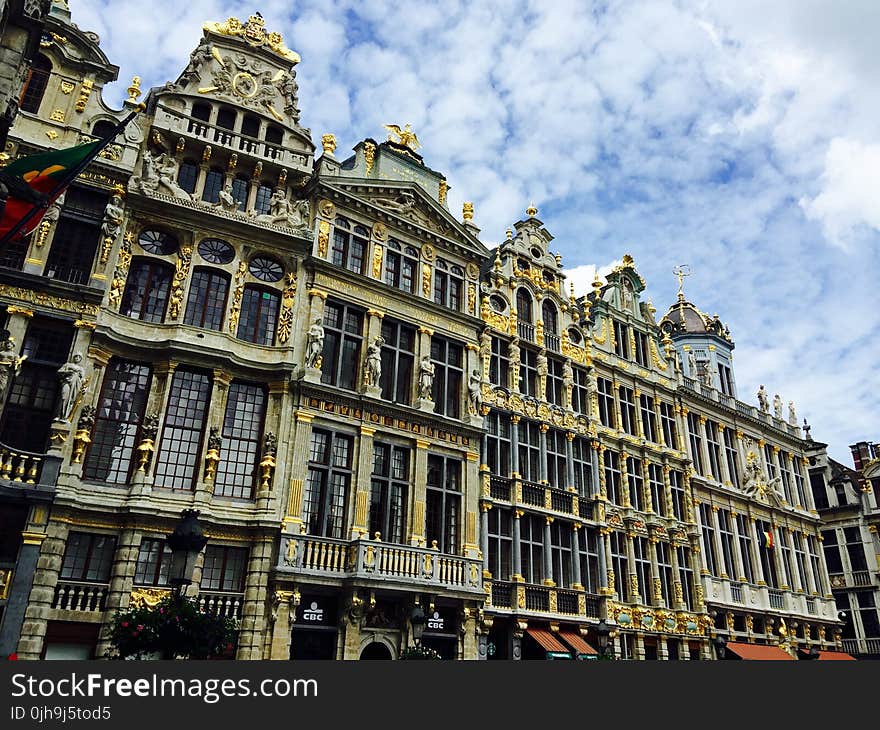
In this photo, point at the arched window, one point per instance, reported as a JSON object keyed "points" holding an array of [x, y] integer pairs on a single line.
{"points": [[226, 117], [240, 191], [206, 302], [548, 314], [202, 111], [274, 135], [187, 176], [103, 128], [524, 306], [250, 125], [35, 85], [213, 185], [259, 315], [264, 199], [146, 291]]}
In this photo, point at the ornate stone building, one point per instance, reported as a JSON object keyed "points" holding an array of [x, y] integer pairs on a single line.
{"points": [[847, 502], [370, 409]]}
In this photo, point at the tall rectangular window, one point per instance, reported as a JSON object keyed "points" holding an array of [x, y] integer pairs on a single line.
{"points": [[398, 361], [448, 285], [580, 393], [500, 543], [350, 243], [627, 410], [707, 529], [725, 533], [528, 372], [343, 328], [589, 559], [649, 417], [855, 548], [611, 464], [731, 453], [560, 553], [833, 561], [554, 381], [713, 446], [799, 482], [636, 483], [498, 444], [443, 503], [401, 266], [224, 569], [582, 458], [178, 459], [643, 568], [206, 303], [499, 363], [800, 557], [557, 460], [605, 391], [745, 546], [619, 562], [621, 340], [657, 488], [785, 471], [259, 316], [153, 563], [676, 483], [641, 351], [531, 547], [34, 393], [696, 442], [529, 437], [389, 485], [765, 553], [88, 557], [242, 431], [686, 576], [664, 568], [448, 357], [725, 374], [76, 235], [327, 483], [121, 409], [667, 422], [770, 459]]}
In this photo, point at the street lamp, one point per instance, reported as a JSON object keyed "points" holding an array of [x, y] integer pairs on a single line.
{"points": [[720, 644], [417, 620], [603, 632], [186, 542]]}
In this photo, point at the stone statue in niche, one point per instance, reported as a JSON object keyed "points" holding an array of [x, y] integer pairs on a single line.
{"points": [[315, 345], [373, 363], [113, 214], [288, 89], [426, 378], [777, 406], [567, 381], [10, 365], [71, 375], [475, 393], [692, 364]]}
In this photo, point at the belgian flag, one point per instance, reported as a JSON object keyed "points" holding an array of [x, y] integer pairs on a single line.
{"points": [[766, 539]]}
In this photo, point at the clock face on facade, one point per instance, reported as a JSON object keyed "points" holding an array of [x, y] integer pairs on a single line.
{"points": [[244, 85]]}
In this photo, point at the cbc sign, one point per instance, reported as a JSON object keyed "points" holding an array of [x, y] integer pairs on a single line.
{"points": [[435, 622]]}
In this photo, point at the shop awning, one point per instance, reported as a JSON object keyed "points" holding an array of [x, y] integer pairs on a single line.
{"points": [[581, 648], [758, 652], [550, 644], [836, 655]]}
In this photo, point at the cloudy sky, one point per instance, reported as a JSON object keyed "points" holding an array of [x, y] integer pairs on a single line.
{"points": [[739, 137]]}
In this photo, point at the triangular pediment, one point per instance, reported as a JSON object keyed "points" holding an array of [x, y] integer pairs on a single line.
{"points": [[406, 204]]}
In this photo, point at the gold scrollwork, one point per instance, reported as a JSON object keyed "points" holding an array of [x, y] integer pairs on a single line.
{"points": [[237, 295], [600, 339], [148, 597], [369, 156], [84, 93], [285, 321], [426, 280], [181, 271], [377, 261], [323, 238], [120, 273], [655, 356]]}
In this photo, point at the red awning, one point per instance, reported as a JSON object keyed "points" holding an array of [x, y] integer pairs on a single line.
{"points": [[576, 642], [547, 640], [758, 652], [838, 655]]}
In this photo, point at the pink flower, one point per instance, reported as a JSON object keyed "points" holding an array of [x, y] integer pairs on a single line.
{"points": [[125, 624], [140, 627], [13, 657]]}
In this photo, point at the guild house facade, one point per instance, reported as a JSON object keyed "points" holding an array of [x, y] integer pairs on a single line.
{"points": [[371, 409]]}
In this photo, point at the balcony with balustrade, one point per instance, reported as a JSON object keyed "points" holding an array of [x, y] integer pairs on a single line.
{"points": [[526, 598], [763, 598], [28, 475], [377, 563]]}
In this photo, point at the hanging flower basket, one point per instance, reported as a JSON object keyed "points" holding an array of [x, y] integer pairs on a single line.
{"points": [[419, 652]]}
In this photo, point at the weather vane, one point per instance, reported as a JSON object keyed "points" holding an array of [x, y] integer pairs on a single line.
{"points": [[681, 271]]}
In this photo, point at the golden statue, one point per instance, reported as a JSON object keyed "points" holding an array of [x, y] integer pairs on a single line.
{"points": [[404, 136]]}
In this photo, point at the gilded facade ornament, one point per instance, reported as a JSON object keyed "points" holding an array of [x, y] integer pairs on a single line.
{"points": [[328, 144], [120, 273], [405, 136], [426, 280], [472, 298], [237, 295], [149, 431], [212, 457], [82, 437], [112, 223], [66, 87], [442, 190], [323, 238], [285, 319], [148, 597], [267, 463], [181, 271], [255, 34], [327, 209], [84, 93], [369, 156], [49, 219], [467, 211], [134, 91], [377, 261]]}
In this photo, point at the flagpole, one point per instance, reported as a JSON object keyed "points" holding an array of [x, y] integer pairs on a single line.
{"points": [[72, 174]]}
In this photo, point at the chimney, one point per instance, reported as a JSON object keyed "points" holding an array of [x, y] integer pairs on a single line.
{"points": [[862, 453]]}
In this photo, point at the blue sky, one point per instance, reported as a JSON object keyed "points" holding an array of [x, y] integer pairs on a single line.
{"points": [[740, 138]]}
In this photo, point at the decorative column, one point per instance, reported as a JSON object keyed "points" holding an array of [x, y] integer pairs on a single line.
{"points": [[542, 451], [576, 583], [598, 486], [417, 530], [284, 605], [548, 556], [121, 579], [312, 373], [617, 413], [145, 452], [704, 447], [471, 548], [647, 496], [606, 573], [795, 571], [17, 321], [515, 477], [302, 437], [624, 478], [654, 597], [214, 426], [676, 600], [634, 591], [484, 537], [425, 404], [637, 407], [359, 525], [253, 618], [569, 464], [517, 576]]}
